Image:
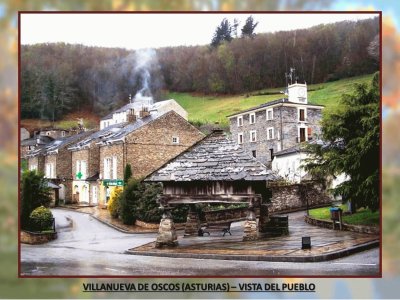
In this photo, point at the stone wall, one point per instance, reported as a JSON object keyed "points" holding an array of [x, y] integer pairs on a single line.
{"points": [[63, 166], [34, 238], [37, 161], [348, 227], [151, 146], [295, 196], [94, 160], [231, 214]]}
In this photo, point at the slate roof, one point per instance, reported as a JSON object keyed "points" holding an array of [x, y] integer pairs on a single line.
{"points": [[57, 144], [273, 102], [301, 147], [214, 158], [294, 149], [43, 140], [136, 105], [98, 136], [118, 135]]}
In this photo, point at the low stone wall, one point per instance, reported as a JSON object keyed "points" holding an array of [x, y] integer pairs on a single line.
{"points": [[231, 214], [156, 225], [345, 226], [147, 225], [287, 198], [35, 238]]}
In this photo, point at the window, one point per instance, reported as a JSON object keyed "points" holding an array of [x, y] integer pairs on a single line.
{"points": [[271, 151], [114, 167], [302, 135], [240, 138], [302, 114], [252, 118], [309, 133], [63, 133], [270, 133], [270, 114], [81, 169], [33, 167], [49, 172], [240, 121], [94, 196], [254, 152], [175, 140], [107, 168], [78, 168], [253, 136]]}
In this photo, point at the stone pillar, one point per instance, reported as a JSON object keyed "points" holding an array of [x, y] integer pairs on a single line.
{"points": [[166, 232], [264, 218], [192, 222], [250, 225]]}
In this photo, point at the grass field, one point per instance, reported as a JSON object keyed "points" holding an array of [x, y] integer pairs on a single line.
{"points": [[211, 109], [361, 217]]}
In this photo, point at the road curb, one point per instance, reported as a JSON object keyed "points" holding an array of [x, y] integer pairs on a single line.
{"points": [[277, 258], [105, 222]]}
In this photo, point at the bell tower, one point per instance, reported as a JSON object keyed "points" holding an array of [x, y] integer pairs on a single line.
{"points": [[296, 92]]}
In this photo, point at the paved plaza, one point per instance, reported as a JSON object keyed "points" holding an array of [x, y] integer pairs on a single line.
{"points": [[326, 244]]}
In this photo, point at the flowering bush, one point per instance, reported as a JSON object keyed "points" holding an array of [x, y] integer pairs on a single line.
{"points": [[114, 204]]}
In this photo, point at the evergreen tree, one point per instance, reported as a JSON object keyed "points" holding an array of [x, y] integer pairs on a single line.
{"points": [[127, 173], [129, 201], [222, 33], [248, 27], [351, 136], [34, 193], [235, 27]]}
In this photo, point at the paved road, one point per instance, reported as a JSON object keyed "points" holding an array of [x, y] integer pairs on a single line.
{"points": [[92, 248]]}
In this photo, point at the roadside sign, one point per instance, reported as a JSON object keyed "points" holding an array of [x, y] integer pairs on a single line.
{"points": [[113, 182]]}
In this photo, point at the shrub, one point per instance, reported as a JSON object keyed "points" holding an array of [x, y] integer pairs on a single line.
{"points": [[41, 219], [114, 202]]}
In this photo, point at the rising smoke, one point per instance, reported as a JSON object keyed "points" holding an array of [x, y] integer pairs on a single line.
{"points": [[145, 62]]}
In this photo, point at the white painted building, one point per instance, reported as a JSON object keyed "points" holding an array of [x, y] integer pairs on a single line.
{"points": [[134, 108], [288, 164]]}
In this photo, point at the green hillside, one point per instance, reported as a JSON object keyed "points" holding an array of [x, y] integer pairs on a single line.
{"points": [[211, 109]]}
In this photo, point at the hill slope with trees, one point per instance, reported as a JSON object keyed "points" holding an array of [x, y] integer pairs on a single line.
{"points": [[57, 79]]}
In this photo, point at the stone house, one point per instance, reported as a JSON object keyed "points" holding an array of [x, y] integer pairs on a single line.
{"points": [[215, 170], [135, 108], [86, 166], [55, 133], [277, 125], [54, 161], [145, 144], [34, 143]]}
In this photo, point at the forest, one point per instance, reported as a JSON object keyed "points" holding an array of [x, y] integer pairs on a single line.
{"points": [[60, 78]]}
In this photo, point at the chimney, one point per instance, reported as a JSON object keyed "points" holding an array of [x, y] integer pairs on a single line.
{"points": [[144, 112], [131, 116]]}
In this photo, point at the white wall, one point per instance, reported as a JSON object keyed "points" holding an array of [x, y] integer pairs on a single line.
{"points": [[288, 166]]}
